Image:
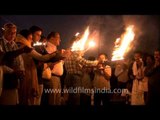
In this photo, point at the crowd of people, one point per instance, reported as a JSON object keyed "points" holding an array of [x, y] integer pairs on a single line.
{"points": [[34, 72]]}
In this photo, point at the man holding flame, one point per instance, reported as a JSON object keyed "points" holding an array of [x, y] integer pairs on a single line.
{"points": [[74, 65]]}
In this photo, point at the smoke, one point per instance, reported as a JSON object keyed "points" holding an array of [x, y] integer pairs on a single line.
{"points": [[110, 27], [146, 32]]}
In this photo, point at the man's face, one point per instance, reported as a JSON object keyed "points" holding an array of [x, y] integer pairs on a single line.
{"points": [[137, 57], [102, 58], [157, 56], [10, 34], [37, 36], [56, 40]]}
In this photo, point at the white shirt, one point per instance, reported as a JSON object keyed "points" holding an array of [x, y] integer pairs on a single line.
{"points": [[58, 67], [51, 47], [100, 81]]}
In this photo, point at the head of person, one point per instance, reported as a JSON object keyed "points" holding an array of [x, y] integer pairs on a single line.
{"points": [[24, 37], [150, 60], [54, 38], [157, 55], [137, 56], [36, 33], [43, 39], [102, 57], [26, 34], [9, 31]]}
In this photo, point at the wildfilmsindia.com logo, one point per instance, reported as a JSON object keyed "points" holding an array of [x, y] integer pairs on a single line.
{"points": [[86, 90]]}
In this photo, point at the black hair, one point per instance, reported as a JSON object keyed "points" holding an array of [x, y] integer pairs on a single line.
{"points": [[138, 52], [33, 29], [42, 38], [52, 34], [151, 56], [103, 54], [25, 33]]}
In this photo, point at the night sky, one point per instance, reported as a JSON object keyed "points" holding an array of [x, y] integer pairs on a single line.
{"points": [[108, 27]]}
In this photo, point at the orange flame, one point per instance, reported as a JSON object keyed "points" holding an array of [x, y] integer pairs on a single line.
{"points": [[77, 34], [122, 44], [80, 44], [92, 44]]}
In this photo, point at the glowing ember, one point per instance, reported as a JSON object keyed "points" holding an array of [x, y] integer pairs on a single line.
{"points": [[122, 44], [91, 44], [77, 34], [80, 44], [39, 44]]}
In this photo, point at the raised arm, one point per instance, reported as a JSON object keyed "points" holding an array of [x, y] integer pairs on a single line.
{"points": [[83, 61]]}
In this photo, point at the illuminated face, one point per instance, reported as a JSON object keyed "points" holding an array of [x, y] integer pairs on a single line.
{"points": [[137, 57], [10, 34], [102, 58], [37, 36]]}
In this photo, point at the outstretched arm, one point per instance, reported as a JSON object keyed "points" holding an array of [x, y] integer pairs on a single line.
{"points": [[6, 56]]}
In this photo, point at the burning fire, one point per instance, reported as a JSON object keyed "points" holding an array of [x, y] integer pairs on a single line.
{"points": [[77, 34], [91, 44], [39, 44], [122, 44], [80, 44]]}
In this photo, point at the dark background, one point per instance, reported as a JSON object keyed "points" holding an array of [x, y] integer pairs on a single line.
{"points": [[109, 27], [108, 18]]}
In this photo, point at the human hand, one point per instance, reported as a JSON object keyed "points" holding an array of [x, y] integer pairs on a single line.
{"points": [[65, 53]]}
